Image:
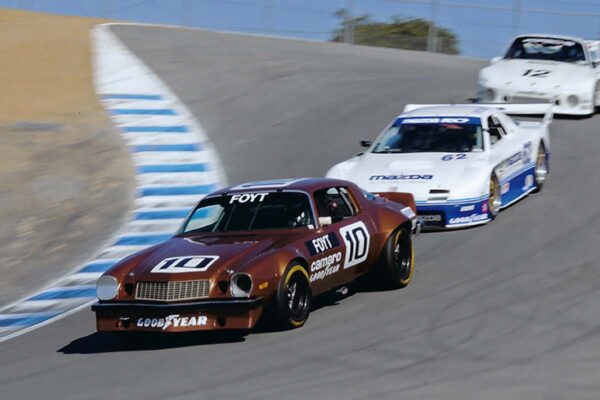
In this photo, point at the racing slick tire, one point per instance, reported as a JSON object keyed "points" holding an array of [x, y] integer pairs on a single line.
{"points": [[293, 299], [397, 263], [495, 200], [541, 168]]}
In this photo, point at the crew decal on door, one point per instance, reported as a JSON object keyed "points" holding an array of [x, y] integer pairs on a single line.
{"points": [[357, 239]]}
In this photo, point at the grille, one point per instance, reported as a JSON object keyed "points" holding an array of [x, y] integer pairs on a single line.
{"points": [[172, 291], [528, 99]]}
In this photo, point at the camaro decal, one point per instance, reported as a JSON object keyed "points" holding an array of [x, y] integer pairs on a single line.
{"points": [[175, 265], [322, 244], [357, 240], [323, 267]]}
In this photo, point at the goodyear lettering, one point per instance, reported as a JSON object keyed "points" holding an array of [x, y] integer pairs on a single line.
{"points": [[247, 197], [172, 320], [400, 177], [469, 219], [326, 266]]}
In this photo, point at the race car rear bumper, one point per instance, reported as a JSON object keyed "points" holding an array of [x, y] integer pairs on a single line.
{"points": [[178, 317]]}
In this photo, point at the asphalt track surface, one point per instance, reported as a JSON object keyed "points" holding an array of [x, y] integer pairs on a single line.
{"points": [[510, 310]]}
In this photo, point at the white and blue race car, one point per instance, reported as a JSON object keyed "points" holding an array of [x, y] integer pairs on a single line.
{"points": [[462, 163], [545, 68]]}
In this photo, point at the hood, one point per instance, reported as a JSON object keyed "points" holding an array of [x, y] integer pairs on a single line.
{"points": [[199, 257], [543, 76], [416, 173]]}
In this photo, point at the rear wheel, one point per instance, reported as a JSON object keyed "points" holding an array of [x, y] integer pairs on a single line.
{"points": [[541, 168], [494, 201], [397, 264], [293, 297]]}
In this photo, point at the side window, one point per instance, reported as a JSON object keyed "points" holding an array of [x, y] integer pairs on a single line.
{"points": [[495, 129], [335, 203]]}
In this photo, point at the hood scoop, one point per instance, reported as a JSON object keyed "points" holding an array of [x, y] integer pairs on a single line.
{"points": [[438, 195]]}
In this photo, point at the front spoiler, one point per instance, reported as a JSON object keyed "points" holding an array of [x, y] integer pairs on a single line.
{"points": [[177, 317], [216, 306]]}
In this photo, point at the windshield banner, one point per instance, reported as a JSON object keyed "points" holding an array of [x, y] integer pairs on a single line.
{"points": [[439, 120]]}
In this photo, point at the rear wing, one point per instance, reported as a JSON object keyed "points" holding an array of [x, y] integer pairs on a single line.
{"points": [[545, 109]]}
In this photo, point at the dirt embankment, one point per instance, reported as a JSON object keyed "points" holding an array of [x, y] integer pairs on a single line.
{"points": [[65, 176]]}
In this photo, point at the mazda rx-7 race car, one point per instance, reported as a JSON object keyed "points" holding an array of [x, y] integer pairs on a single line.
{"points": [[462, 163], [261, 247], [541, 68]]}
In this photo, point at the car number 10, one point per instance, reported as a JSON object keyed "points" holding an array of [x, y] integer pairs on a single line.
{"points": [[357, 239]]}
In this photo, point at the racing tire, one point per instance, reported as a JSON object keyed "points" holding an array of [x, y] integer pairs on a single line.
{"points": [[397, 262], [293, 299], [495, 199], [541, 168]]}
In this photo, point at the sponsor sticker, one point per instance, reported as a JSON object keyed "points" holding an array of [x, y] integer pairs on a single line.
{"points": [[413, 177], [467, 208], [429, 218], [505, 188], [326, 266], [357, 240], [322, 244], [172, 320], [175, 265], [469, 219], [248, 197]]}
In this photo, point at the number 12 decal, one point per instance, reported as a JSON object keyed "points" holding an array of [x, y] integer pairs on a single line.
{"points": [[537, 73], [357, 239]]}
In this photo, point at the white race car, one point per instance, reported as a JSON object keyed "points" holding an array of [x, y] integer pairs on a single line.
{"points": [[462, 163], [541, 68]]}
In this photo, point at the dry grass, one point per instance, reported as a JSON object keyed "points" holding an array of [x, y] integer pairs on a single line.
{"points": [[65, 186]]}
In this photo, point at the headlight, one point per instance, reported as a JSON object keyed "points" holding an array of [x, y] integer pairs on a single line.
{"points": [[487, 95], [241, 285], [572, 100], [107, 287]]}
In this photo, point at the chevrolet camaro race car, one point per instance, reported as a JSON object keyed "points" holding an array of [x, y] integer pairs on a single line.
{"points": [[541, 68], [462, 163], [260, 248]]}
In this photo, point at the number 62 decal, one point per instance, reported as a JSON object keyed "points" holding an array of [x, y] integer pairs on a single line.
{"points": [[357, 239]]}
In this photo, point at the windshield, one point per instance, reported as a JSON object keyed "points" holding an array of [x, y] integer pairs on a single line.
{"points": [[534, 48], [424, 135], [251, 211]]}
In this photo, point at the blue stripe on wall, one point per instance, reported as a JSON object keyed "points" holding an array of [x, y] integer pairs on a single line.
{"points": [[142, 240], [166, 147], [146, 169], [69, 293], [28, 320], [166, 129], [159, 214], [116, 96], [98, 266], [135, 111], [177, 190]]}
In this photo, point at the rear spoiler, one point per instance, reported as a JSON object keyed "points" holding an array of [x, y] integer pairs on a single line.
{"points": [[545, 109]]}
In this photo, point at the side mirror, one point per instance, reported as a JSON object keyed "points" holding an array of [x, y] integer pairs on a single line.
{"points": [[324, 221], [494, 60], [365, 143]]}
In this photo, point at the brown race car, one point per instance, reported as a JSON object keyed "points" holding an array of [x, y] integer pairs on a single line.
{"points": [[257, 248]]}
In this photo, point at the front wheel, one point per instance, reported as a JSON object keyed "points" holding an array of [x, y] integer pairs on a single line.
{"points": [[397, 264], [293, 297], [494, 200], [541, 168]]}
